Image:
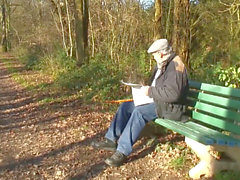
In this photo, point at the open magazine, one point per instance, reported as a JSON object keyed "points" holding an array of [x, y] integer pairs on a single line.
{"points": [[139, 96]]}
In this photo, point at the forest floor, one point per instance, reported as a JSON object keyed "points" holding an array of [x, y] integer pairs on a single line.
{"points": [[44, 139]]}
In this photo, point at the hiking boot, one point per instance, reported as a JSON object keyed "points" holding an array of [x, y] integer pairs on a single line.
{"points": [[117, 159], [106, 145]]}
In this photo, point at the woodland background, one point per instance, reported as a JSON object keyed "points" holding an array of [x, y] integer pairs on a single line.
{"points": [[88, 46]]}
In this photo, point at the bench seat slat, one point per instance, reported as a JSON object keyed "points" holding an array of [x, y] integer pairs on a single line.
{"points": [[220, 138], [226, 91], [181, 128], [221, 101], [218, 111], [199, 133], [216, 122]]}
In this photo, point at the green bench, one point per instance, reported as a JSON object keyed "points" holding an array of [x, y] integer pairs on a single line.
{"points": [[213, 128]]}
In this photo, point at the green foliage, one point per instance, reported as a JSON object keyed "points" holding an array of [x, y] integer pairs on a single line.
{"points": [[136, 67], [56, 64], [94, 80], [182, 160], [180, 154], [227, 175], [205, 74], [230, 77], [158, 148], [217, 74], [98, 80], [29, 56], [179, 162], [214, 42]]}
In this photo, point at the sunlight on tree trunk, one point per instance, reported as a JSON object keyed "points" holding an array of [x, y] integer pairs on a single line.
{"points": [[181, 33], [5, 25], [186, 34], [168, 21], [69, 28], [158, 20], [176, 20], [81, 30], [62, 28]]}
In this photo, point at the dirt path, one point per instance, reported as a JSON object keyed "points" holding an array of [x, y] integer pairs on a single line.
{"points": [[52, 141]]}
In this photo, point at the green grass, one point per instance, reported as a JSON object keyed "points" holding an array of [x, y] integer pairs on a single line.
{"points": [[179, 163], [227, 175]]}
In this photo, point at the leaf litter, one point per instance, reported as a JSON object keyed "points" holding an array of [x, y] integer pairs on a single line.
{"points": [[52, 141]]}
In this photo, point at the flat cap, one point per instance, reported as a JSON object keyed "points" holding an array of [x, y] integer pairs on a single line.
{"points": [[159, 45]]}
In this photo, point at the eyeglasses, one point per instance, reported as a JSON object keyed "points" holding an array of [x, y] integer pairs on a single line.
{"points": [[161, 54]]}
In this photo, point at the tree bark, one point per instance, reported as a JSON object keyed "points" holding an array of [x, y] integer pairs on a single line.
{"points": [[158, 20], [62, 27], [181, 33], [186, 41], [176, 22], [81, 30], [85, 27], [5, 25], [168, 21], [69, 28]]}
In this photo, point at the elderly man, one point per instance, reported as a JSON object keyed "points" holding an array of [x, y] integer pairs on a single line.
{"points": [[168, 88]]}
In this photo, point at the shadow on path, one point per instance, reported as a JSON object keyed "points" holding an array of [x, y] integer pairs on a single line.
{"points": [[37, 160]]}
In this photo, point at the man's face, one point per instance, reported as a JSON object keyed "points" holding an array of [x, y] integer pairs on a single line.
{"points": [[158, 56]]}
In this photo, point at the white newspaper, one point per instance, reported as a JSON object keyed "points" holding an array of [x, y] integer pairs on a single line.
{"points": [[138, 94]]}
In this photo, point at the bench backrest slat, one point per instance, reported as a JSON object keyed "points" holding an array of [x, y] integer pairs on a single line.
{"points": [[225, 91], [216, 122], [216, 106], [217, 111], [217, 100]]}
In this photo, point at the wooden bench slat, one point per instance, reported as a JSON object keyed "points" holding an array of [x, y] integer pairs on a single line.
{"points": [[181, 128], [216, 122], [227, 91], [218, 111], [199, 132], [218, 100], [221, 138]]}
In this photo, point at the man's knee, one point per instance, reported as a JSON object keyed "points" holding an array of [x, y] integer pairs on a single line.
{"points": [[145, 112], [125, 106], [140, 110]]}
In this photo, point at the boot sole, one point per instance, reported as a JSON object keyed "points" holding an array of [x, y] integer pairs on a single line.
{"points": [[108, 149], [112, 149], [113, 164]]}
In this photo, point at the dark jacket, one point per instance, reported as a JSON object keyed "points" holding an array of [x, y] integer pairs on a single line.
{"points": [[171, 89]]}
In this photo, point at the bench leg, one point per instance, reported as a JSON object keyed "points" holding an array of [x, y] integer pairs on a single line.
{"points": [[209, 165]]}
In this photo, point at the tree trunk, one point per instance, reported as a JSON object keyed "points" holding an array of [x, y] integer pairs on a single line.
{"points": [[69, 28], [5, 25], [168, 21], [176, 22], [85, 28], [81, 30], [158, 20], [181, 33], [62, 27], [186, 40]]}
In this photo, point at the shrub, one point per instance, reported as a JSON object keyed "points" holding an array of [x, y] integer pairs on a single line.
{"points": [[30, 55], [230, 76], [98, 80], [94, 80], [56, 64]]}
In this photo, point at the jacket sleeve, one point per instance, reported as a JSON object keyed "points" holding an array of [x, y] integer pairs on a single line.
{"points": [[171, 89]]}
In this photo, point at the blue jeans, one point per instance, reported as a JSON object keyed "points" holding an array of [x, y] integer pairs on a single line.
{"points": [[127, 124]]}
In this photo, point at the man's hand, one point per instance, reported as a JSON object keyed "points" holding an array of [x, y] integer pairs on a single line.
{"points": [[145, 90]]}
